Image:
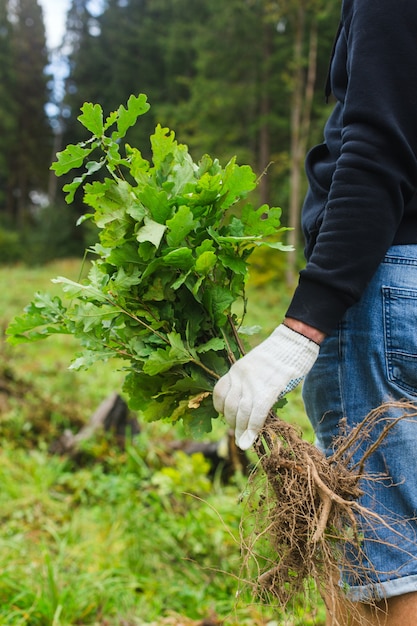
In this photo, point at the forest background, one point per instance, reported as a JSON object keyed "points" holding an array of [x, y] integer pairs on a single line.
{"points": [[85, 542], [242, 77]]}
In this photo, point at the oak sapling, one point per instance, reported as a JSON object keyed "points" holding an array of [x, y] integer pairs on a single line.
{"points": [[168, 272]]}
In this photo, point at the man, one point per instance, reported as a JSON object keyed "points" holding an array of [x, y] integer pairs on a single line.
{"points": [[351, 327]]}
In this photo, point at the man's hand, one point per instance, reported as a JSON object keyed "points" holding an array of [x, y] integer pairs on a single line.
{"points": [[246, 394]]}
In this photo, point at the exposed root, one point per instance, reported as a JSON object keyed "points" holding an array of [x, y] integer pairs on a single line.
{"points": [[307, 512]]}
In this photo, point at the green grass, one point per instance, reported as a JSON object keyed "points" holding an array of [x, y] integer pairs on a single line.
{"points": [[127, 537], [42, 361]]}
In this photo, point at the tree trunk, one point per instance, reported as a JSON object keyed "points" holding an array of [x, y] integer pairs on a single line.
{"points": [[112, 416], [300, 127], [265, 110]]}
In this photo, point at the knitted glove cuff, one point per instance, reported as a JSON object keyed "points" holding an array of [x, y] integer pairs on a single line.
{"points": [[294, 347]]}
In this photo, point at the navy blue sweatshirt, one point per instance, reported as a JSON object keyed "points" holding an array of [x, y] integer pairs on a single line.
{"points": [[363, 178]]}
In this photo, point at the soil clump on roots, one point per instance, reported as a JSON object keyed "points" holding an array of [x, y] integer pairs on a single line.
{"points": [[304, 507]]}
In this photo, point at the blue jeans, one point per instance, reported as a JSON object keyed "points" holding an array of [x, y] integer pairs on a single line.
{"points": [[369, 360]]}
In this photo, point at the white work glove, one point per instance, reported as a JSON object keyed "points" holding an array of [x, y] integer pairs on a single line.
{"points": [[252, 386]]}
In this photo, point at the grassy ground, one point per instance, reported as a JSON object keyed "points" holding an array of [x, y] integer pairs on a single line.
{"points": [[128, 537]]}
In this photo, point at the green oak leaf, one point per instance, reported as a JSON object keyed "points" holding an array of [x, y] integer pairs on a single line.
{"points": [[205, 262], [92, 118], [238, 182], [218, 300], [136, 106], [151, 231], [43, 317], [182, 258], [163, 144], [180, 225], [71, 158]]}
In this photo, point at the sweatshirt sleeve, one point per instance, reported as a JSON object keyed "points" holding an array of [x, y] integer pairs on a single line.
{"points": [[375, 176]]}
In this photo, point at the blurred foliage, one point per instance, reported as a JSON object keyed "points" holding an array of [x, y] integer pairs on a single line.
{"points": [[10, 246], [26, 146]]}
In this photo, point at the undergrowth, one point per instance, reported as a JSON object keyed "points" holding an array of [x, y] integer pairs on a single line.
{"points": [[132, 537]]}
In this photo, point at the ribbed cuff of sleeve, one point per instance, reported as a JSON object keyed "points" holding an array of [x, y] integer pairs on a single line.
{"points": [[318, 306]]}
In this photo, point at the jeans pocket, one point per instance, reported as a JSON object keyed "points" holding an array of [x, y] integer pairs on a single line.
{"points": [[400, 319]]}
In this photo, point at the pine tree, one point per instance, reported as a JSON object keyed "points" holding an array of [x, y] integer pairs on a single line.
{"points": [[82, 75], [31, 151], [125, 52], [8, 120]]}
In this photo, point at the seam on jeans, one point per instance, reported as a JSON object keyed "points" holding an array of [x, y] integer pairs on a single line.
{"points": [[340, 368], [401, 255], [392, 354], [397, 260], [385, 331]]}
